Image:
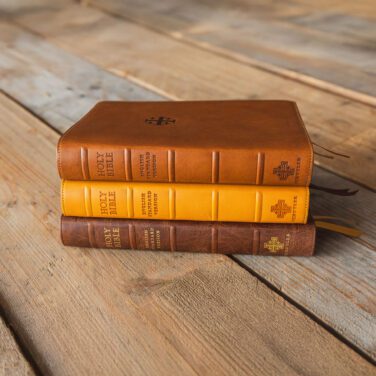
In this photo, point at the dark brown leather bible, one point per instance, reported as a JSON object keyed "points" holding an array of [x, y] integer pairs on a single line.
{"points": [[190, 236], [219, 142]]}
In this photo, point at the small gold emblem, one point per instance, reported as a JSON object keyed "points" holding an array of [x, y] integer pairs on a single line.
{"points": [[283, 171], [281, 209], [160, 120], [274, 245]]}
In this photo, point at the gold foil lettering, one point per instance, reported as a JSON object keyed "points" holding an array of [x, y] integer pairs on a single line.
{"points": [[112, 237], [105, 164], [107, 203]]}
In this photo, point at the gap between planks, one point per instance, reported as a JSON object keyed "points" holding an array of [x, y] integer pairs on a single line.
{"points": [[303, 309], [309, 80], [15, 359]]}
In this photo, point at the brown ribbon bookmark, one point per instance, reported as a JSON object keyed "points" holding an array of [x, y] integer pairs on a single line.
{"points": [[333, 191], [329, 151]]}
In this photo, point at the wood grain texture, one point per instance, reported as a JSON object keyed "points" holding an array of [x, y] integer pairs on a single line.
{"points": [[346, 269], [31, 54], [316, 45], [139, 312], [57, 86], [12, 361], [362, 8], [181, 71]]}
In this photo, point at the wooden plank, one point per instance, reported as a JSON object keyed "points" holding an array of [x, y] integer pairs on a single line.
{"points": [[12, 361], [143, 312], [41, 57], [57, 86], [181, 71], [315, 45], [346, 269], [362, 8]]}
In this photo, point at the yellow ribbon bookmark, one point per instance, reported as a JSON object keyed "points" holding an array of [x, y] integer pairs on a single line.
{"points": [[350, 222], [349, 231]]}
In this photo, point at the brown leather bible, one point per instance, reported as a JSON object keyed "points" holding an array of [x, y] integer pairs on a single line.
{"points": [[190, 236], [229, 142]]}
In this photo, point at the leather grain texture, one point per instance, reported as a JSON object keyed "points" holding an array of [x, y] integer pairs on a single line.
{"points": [[190, 236], [220, 142], [197, 202]]}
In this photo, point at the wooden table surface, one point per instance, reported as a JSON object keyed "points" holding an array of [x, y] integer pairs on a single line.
{"points": [[70, 311]]}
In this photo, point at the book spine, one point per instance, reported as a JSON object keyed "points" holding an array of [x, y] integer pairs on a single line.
{"points": [[187, 236], [148, 164], [198, 202]]}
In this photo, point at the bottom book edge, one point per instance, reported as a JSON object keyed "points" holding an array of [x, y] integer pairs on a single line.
{"points": [[190, 236]]}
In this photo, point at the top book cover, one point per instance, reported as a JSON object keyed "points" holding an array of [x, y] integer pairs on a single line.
{"points": [[262, 142]]}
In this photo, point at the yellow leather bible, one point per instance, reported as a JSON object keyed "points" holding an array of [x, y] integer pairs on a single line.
{"points": [[198, 202]]}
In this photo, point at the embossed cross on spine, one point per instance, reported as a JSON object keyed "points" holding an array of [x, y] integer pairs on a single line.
{"points": [[283, 171], [161, 120], [274, 245], [281, 209]]}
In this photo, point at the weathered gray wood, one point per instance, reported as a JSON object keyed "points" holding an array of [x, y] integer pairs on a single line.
{"points": [[12, 361], [93, 312], [181, 71], [56, 85], [337, 285], [327, 45], [42, 57]]}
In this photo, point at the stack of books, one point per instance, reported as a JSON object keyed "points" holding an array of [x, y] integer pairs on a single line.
{"points": [[201, 176]]}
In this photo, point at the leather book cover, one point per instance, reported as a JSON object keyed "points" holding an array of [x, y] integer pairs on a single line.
{"points": [[190, 236], [219, 142], [196, 202]]}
